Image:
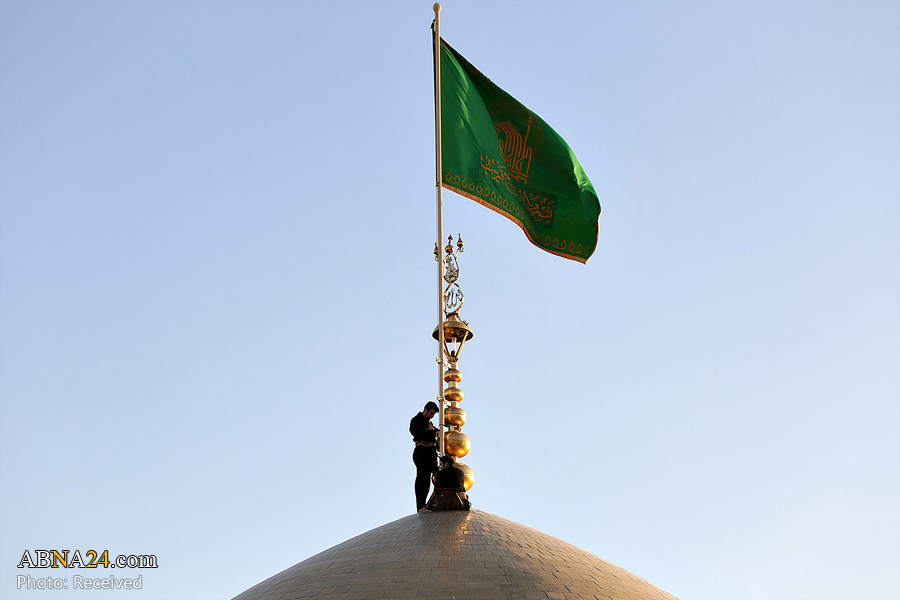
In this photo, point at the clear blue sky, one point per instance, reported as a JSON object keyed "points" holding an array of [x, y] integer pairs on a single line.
{"points": [[217, 287]]}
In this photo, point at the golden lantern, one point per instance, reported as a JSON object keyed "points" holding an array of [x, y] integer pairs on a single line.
{"points": [[456, 333]]}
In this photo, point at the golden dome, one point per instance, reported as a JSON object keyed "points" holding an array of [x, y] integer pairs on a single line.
{"points": [[442, 554]]}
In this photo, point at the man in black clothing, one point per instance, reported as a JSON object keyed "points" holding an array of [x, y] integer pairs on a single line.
{"points": [[425, 455], [449, 477]]}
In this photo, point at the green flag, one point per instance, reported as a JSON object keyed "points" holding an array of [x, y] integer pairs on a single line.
{"points": [[500, 154]]}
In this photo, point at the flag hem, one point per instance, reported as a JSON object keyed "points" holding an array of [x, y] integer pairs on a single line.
{"points": [[483, 202]]}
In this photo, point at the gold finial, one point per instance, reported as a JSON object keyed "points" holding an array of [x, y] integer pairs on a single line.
{"points": [[456, 333], [437, 7]]}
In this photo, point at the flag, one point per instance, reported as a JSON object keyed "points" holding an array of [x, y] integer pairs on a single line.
{"points": [[500, 154]]}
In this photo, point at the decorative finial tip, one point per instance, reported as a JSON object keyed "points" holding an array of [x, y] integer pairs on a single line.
{"points": [[437, 7]]}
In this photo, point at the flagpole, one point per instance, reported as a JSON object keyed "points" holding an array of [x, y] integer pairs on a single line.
{"points": [[440, 220]]}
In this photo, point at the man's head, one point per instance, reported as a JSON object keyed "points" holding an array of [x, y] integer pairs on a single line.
{"points": [[430, 410], [447, 461]]}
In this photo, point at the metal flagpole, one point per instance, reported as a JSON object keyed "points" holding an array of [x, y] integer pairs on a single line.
{"points": [[440, 219]]}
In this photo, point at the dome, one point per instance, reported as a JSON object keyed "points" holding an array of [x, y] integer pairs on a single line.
{"points": [[469, 555]]}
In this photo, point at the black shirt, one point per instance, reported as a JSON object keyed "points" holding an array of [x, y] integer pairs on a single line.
{"points": [[450, 478], [418, 427]]}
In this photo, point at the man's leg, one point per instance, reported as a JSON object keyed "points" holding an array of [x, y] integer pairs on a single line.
{"points": [[423, 484], [424, 459]]}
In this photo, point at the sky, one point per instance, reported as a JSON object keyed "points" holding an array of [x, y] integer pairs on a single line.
{"points": [[217, 288]]}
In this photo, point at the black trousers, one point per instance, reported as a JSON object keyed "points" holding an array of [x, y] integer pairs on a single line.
{"points": [[425, 459]]}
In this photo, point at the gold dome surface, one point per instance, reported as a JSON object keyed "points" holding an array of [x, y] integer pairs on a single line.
{"points": [[471, 555]]}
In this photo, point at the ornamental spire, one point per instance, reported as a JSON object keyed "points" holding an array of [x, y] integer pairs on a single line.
{"points": [[456, 333]]}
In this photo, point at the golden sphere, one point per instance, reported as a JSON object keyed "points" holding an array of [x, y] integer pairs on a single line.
{"points": [[469, 475], [453, 394], [454, 416], [457, 443], [452, 374]]}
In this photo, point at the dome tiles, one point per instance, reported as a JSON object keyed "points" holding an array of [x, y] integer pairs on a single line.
{"points": [[467, 555]]}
